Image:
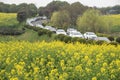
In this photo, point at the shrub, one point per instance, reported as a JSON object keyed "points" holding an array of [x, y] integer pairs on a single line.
{"points": [[111, 38], [100, 42], [118, 39], [113, 43], [67, 39], [44, 31], [60, 37], [81, 40], [75, 39], [49, 33], [11, 31], [90, 41], [102, 35]]}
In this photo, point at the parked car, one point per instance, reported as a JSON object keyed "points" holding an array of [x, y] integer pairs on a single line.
{"points": [[76, 34], [39, 25], [69, 30], [102, 39], [90, 35], [50, 28], [61, 31]]}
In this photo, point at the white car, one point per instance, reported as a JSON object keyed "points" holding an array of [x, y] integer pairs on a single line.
{"points": [[90, 35], [39, 25], [76, 34], [102, 39], [61, 31], [69, 30], [50, 28]]}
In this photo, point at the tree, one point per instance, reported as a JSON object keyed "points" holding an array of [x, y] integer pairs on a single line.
{"points": [[76, 9], [52, 7], [32, 10], [92, 21], [13, 8], [61, 19], [21, 16]]}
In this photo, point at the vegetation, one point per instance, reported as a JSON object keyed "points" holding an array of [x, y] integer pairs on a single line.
{"points": [[114, 22], [58, 61], [111, 10], [30, 9], [92, 21], [8, 20], [111, 38], [61, 21], [74, 9], [118, 39]]}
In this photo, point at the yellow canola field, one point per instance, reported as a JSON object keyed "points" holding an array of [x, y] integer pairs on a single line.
{"points": [[58, 61], [8, 19], [112, 19]]}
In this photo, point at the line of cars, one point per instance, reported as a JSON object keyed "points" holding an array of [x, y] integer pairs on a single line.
{"points": [[74, 33], [70, 31]]}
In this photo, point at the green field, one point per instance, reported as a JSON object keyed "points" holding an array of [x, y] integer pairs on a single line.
{"points": [[8, 20], [114, 22]]}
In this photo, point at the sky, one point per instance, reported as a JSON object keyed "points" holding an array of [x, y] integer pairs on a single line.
{"points": [[91, 3]]}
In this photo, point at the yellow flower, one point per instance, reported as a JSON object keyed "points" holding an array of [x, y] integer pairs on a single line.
{"points": [[78, 68], [102, 70], [105, 64], [36, 70], [62, 63], [86, 57], [46, 78], [12, 71], [94, 78], [14, 78]]}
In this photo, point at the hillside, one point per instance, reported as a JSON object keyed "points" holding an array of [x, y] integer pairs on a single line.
{"points": [[8, 20], [114, 22]]}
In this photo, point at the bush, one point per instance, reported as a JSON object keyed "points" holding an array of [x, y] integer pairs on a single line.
{"points": [[49, 33], [118, 39], [60, 37], [81, 40], [75, 39], [67, 39], [11, 31], [100, 42], [113, 43], [102, 35], [90, 41], [111, 38], [44, 31]]}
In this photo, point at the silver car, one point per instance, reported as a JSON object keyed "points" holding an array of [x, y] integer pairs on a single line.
{"points": [[61, 31]]}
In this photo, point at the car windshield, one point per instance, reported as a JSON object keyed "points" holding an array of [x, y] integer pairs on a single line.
{"points": [[48, 27], [60, 30], [71, 29], [91, 33], [77, 33]]}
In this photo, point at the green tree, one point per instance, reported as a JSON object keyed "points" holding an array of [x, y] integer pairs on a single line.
{"points": [[32, 10], [76, 9], [61, 19], [92, 21], [13, 8], [51, 7], [21, 16]]}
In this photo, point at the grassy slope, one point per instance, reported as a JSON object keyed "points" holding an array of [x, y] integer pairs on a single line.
{"points": [[29, 35], [9, 20]]}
